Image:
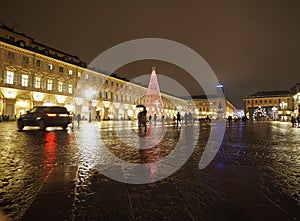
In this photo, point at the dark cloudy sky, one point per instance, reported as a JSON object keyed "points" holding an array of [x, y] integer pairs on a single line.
{"points": [[250, 45]]}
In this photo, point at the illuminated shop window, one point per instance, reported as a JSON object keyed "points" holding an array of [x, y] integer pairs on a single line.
{"points": [[70, 72], [70, 88], [49, 84], [9, 77], [60, 86], [24, 82], [37, 82]]}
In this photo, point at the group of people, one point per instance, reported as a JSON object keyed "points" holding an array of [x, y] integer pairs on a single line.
{"points": [[142, 119], [177, 119], [4, 118], [295, 120], [155, 118], [188, 119]]}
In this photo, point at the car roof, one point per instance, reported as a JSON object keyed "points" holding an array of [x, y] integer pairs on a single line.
{"points": [[59, 109], [49, 107]]}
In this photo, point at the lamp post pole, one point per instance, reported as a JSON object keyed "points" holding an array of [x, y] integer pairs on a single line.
{"points": [[90, 111]]}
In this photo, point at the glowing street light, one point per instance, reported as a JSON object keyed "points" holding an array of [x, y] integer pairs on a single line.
{"points": [[283, 106], [274, 109]]}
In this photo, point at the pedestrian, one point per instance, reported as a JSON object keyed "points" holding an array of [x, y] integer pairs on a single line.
{"points": [[244, 119], [78, 118], [293, 121], [178, 119], [142, 118], [229, 119], [150, 118], [155, 118], [208, 119], [298, 120], [185, 119]]}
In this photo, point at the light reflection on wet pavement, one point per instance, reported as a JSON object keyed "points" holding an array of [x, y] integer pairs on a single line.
{"points": [[265, 155]]}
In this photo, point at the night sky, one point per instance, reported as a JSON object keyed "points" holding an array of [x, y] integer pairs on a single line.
{"points": [[250, 45]]}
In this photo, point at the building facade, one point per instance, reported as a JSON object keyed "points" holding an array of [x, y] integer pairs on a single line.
{"points": [[273, 105], [213, 106], [33, 74], [296, 96]]}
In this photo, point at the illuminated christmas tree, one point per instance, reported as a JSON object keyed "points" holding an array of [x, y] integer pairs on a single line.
{"points": [[154, 102]]}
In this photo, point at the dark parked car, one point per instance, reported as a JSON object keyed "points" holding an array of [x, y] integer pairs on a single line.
{"points": [[45, 116]]}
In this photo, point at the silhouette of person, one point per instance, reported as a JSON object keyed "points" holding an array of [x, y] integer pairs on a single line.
{"points": [[293, 121], [178, 119], [155, 118], [229, 119], [78, 118]]}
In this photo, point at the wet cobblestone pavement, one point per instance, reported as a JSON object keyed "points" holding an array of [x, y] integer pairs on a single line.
{"points": [[264, 155]]}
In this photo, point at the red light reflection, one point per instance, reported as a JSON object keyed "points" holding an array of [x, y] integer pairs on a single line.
{"points": [[50, 149]]}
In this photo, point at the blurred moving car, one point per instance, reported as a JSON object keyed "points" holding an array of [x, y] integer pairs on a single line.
{"points": [[45, 116]]}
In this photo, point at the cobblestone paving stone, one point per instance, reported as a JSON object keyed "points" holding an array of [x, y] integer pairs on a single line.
{"points": [[25, 160], [264, 154], [267, 156]]}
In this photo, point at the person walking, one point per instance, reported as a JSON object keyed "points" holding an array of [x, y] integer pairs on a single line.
{"points": [[78, 118], [229, 119], [185, 119], [298, 120], [178, 119], [293, 121]]}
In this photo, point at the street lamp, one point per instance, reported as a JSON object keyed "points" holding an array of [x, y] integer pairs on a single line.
{"points": [[283, 105]]}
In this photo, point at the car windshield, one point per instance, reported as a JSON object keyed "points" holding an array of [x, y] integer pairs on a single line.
{"points": [[33, 110]]}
